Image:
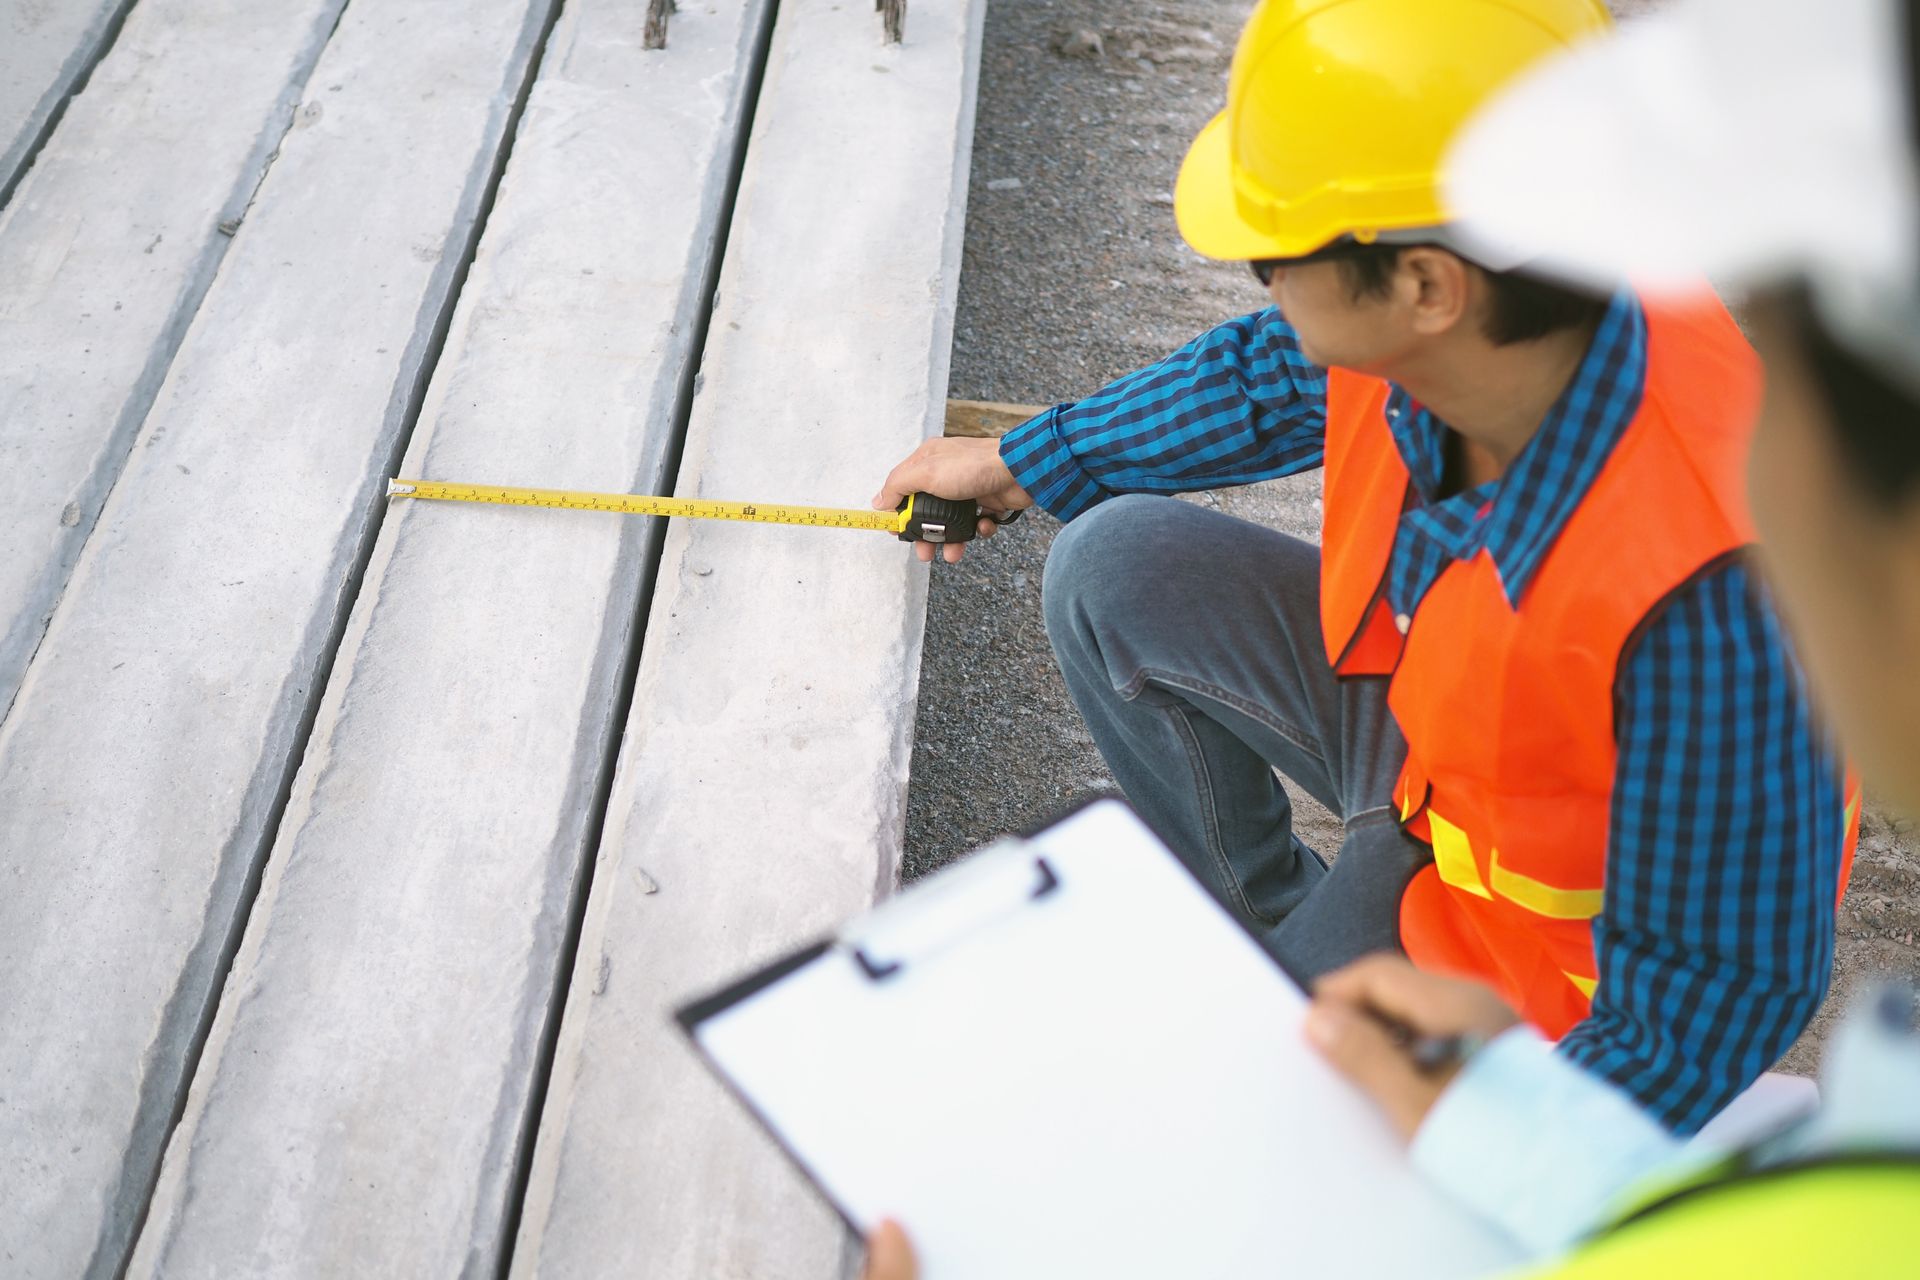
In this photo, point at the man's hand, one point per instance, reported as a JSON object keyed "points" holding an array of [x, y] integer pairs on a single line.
{"points": [[1352, 1019], [889, 1256], [955, 467]]}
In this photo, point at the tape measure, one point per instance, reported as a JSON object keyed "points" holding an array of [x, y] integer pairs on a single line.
{"points": [[921, 518]]}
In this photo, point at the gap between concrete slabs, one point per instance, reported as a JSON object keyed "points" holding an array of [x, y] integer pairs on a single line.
{"points": [[47, 51], [366, 1099], [760, 788], [151, 746], [103, 264]]}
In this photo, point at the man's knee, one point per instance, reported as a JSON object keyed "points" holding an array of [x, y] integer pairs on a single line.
{"points": [[1098, 561]]}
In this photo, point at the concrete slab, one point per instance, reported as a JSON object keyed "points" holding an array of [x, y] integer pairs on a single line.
{"points": [[761, 784], [46, 49], [142, 766], [365, 1095], [1074, 278], [106, 250]]}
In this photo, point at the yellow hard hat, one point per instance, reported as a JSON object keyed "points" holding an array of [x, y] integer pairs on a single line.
{"points": [[1339, 111]]}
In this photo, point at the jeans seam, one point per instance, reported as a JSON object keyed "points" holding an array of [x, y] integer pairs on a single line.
{"points": [[1210, 819], [1251, 710]]}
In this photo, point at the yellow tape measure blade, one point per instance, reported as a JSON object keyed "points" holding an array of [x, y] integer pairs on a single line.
{"points": [[651, 505]]}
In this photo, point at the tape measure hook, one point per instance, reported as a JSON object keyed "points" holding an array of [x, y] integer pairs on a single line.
{"points": [[395, 489]]}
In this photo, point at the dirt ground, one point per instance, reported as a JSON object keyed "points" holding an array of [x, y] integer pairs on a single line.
{"points": [[1075, 274]]}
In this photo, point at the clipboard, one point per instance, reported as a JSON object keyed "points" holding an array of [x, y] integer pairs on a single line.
{"points": [[1062, 1057]]}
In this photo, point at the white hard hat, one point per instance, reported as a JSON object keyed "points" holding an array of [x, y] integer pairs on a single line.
{"points": [[1751, 141]]}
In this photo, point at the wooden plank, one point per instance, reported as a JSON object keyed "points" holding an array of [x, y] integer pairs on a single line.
{"points": [[761, 789], [142, 767], [46, 49], [105, 253], [987, 417], [365, 1093]]}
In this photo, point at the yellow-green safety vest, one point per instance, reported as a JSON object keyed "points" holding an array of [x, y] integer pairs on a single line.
{"points": [[1847, 1217]]}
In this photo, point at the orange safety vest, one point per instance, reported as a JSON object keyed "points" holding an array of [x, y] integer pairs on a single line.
{"points": [[1509, 713]]}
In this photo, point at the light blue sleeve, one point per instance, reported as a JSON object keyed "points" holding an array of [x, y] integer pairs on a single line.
{"points": [[1536, 1144]]}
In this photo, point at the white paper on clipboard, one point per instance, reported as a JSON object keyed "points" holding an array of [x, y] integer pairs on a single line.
{"points": [[1061, 1057]]}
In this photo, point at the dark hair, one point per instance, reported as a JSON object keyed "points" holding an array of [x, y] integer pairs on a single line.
{"points": [[1525, 307], [1875, 423]]}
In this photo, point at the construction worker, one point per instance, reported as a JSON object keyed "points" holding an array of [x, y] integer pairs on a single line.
{"points": [[1790, 138], [1776, 147], [1530, 667]]}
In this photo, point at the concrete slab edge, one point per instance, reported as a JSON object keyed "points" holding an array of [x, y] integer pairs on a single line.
{"points": [[24, 626], [68, 79]]}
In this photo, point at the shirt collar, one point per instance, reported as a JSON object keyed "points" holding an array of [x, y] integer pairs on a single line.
{"points": [[1534, 499]]}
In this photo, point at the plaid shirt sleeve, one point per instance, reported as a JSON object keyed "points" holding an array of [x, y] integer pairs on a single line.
{"points": [[1239, 403], [1717, 939]]}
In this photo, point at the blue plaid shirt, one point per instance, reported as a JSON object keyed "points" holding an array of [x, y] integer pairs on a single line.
{"points": [[1727, 817]]}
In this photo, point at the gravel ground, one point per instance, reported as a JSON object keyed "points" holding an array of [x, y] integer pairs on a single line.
{"points": [[1075, 274]]}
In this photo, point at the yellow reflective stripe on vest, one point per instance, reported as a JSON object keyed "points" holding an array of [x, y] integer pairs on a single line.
{"points": [[1544, 899], [1453, 859], [1587, 986], [1453, 856]]}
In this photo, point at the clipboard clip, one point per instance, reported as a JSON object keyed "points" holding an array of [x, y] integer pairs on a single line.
{"points": [[960, 902]]}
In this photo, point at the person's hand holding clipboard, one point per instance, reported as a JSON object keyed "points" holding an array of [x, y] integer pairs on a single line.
{"points": [[1062, 1057]]}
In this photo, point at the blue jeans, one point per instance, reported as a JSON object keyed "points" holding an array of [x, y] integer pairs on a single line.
{"points": [[1191, 642]]}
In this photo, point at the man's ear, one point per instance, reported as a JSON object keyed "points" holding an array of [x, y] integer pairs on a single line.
{"points": [[1437, 288]]}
